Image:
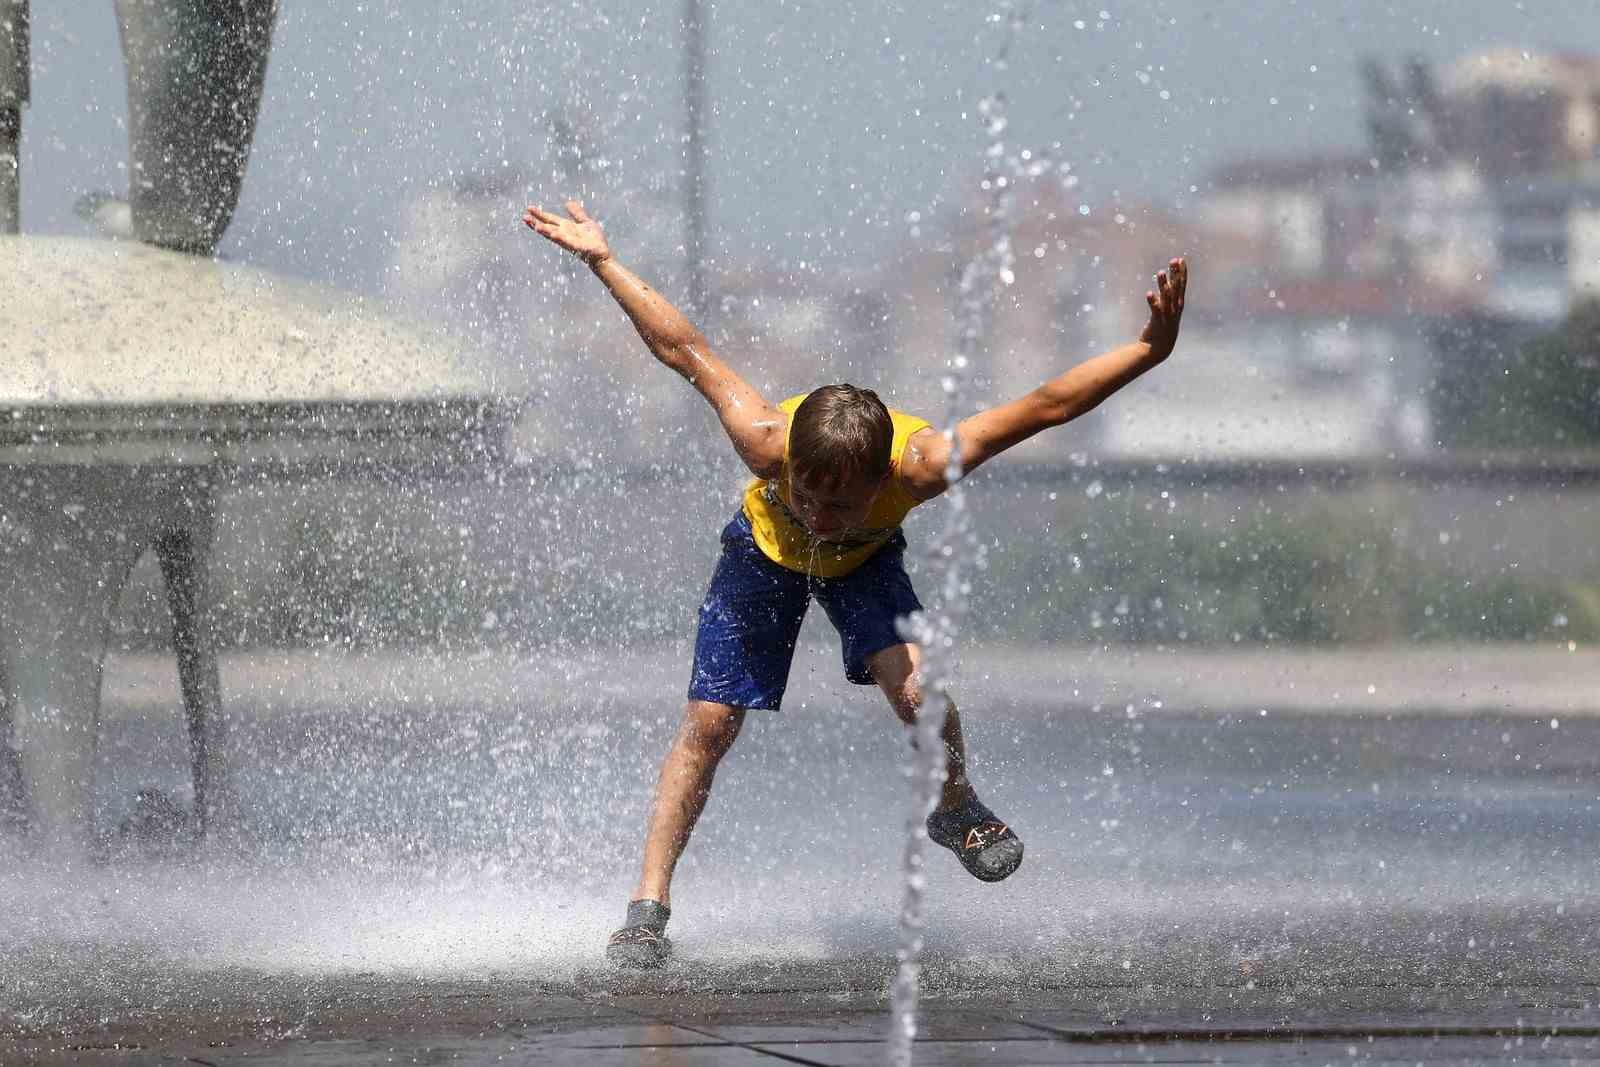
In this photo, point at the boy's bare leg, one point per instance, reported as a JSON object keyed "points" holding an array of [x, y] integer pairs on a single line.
{"points": [[708, 731], [897, 671], [988, 848]]}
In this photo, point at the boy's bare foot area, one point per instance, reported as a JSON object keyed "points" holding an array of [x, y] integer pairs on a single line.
{"points": [[986, 847], [642, 942]]}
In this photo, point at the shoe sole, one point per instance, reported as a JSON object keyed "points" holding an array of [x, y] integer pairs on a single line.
{"points": [[977, 872], [999, 876]]}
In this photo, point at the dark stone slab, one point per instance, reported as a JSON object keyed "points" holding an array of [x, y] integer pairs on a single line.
{"points": [[1304, 1010], [1396, 1050], [371, 1019]]}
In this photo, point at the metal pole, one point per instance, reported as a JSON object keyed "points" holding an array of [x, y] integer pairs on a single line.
{"points": [[13, 95], [694, 192]]}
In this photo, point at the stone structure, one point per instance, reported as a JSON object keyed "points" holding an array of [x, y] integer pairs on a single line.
{"points": [[135, 383], [139, 376]]}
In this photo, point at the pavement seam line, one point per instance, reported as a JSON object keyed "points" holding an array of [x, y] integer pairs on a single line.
{"points": [[1245, 1035], [746, 1045]]}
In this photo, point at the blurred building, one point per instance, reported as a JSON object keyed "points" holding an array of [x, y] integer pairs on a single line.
{"points": [[552, 332], [463, 258], [1077, 288], [789, 332], [1515, 135], [1324, 285], [1275, 361], [1513, 111], [1340, 290]]}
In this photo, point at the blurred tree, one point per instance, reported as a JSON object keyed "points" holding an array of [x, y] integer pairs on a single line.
{"points": [[1327, 574], [1495, 390]]}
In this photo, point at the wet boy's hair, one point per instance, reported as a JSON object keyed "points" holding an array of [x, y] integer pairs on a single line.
{"points": [[841, 433]]}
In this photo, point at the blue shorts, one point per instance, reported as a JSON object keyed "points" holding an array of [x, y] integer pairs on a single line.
{"points": [[750, 620]]}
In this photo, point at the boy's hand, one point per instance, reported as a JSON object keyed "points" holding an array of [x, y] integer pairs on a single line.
{"points": [[578, 234], [1166, 309]]}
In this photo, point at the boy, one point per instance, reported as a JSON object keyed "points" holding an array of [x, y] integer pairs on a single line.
{"points": [[835, 473]]}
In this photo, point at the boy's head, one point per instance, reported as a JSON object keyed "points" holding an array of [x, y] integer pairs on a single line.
{"points": [[839, 440]]}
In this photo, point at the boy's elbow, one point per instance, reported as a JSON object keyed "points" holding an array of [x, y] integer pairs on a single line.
{"points": [[925, 485], [764, 457], [1051, 408], [676, 347], [764, 467], [687, 339], [1065, 413]]}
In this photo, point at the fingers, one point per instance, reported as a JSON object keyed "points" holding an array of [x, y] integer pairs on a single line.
{"points": [[536, 217], [565, 232], [1164, 300], [537, 214], [1167, 298]]}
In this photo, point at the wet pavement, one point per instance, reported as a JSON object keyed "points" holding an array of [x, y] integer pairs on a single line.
{"points": [[354, 1020], [431, 859]]}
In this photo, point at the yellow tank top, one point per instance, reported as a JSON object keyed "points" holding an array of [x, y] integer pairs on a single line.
{"points": [[784, 541]]}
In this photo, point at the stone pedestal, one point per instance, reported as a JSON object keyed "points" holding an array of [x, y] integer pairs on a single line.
{"points": [[68, 540], [132, 381]]}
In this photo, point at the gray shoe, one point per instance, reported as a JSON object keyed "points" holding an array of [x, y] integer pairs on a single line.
{"points": [[642, 942], [986, 847]]}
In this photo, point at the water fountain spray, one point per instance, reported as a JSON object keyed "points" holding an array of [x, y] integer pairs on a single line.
{"points": [[956, 549]]}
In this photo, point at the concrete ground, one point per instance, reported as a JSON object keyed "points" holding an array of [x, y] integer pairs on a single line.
{"points": [[649, 1021], [1395, 865], [1551, 678]]}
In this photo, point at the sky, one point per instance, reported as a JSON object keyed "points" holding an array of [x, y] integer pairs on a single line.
{"points": [[831, 122]]}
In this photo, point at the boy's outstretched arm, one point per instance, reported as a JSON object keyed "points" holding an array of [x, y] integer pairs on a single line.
{"points": [[1062, 399], [756, 428]]}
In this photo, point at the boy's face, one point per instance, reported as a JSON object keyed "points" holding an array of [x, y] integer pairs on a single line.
{"points": [[829, 505]]}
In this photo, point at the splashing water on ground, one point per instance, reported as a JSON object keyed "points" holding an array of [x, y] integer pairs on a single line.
{"points": [[486, 834]]}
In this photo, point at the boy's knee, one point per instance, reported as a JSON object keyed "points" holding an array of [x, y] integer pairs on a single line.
{"points": [[906, 698], [895, 671], [710, 729]]}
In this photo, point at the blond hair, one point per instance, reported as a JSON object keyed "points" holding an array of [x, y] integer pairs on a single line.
{"points": [[841, 433]]}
